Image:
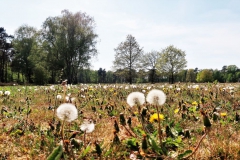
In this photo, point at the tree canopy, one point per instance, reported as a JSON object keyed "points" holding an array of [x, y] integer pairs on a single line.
{"points": [[70, 42], [171, 61], [127, 56], [6, 53], [205, 75], [149, 62]]}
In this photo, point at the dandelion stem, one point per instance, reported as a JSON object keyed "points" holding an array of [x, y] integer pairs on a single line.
{"points": [[62, 132], [141, 119], [159, 127], [84, 138], [196, 148], [130, 132]]}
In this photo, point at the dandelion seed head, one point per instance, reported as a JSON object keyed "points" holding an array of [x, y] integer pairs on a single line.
{"points": [[68, 86], [67, 111], [88, 126], [67, 98], [134, 98], [59, 96], [52, 87], [73, 99], [156, 96], [7, 93], [196, 86], [105, 87], [149, 87]]}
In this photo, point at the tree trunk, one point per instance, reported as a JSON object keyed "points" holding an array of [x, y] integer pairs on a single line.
{"points": [[172, 80]]}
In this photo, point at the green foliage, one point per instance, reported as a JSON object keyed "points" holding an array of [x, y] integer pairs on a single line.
{"points": [[6, 54], [69, 46], [149, 62], [25, 43], [56, 153], [205, 75], [191, 75], [85, 151], [128, 54], [41, 75], [155, 147], [187, 152], [171, 61]]}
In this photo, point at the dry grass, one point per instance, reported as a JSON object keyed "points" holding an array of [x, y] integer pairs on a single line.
{"points": [[27, 134]]}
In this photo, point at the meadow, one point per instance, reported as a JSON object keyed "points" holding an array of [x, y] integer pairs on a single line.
{"points": [[120, 121]]}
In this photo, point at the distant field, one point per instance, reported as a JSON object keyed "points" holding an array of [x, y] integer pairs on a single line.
{"points": [[32, 129]]}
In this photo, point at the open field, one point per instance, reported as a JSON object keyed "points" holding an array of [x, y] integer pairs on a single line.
{"points": [[32, 129]]}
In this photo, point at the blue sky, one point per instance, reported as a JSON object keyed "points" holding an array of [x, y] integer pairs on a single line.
{"points": [[207, 30]]}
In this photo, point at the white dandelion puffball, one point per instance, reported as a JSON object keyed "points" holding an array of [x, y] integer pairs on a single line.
{"points": [[59, 96], [7, 93], [134, 98], [156, 96], [67, 98], [67, 112], [88, 126], [52, 87]]}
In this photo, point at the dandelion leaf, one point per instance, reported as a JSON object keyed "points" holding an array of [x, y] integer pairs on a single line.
{"points": [[56, 153], [181, 156], [86, 151], [154, 146]]}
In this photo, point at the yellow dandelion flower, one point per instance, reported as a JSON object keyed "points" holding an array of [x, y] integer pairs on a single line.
{"points": [[176, 111], [194, 103], [136, 113], [154, 117], [223, 114]]}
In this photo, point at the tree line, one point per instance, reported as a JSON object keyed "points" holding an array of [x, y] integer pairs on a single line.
{"points": [[167, 65], [63, 49]]}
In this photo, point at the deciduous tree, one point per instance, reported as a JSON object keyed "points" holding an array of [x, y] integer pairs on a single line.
{"points": [[6, 52], [205, 75], [171, 61], [26, 45], [128, 56], [149, 62], [70, 40], [191, 75]]}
